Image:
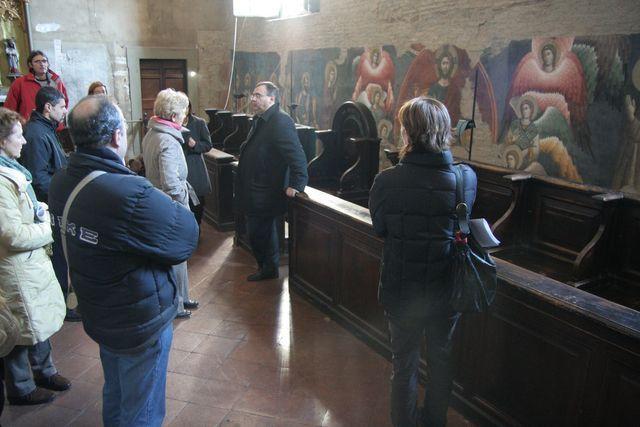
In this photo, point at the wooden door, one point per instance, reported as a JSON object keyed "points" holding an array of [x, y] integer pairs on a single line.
{"points": [[159, 74]]}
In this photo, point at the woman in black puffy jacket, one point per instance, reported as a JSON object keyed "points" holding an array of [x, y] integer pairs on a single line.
{"points": [[413, 208]]}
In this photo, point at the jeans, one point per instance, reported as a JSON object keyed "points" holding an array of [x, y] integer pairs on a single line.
{"points": [[135, 384], [23, 364], [263, 238], [406, 338], [182, 284]]}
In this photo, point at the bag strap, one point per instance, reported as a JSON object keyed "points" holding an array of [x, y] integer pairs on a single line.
{"points": [[462, 209], [65, 213]]}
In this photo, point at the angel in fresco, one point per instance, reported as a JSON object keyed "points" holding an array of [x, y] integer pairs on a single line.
{"points": [[376, 101], [442, 75], [374, 66], [307, 103], [553, 68], [385, 128], [329, 93], [535, 135], [627, 176]]}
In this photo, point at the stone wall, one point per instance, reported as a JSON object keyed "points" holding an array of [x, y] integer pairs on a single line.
{"points": [[87, 40]]}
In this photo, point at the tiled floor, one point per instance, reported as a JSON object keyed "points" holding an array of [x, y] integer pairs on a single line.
{"points": [[252, 355]]}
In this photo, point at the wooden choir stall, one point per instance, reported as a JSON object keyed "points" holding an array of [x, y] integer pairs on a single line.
{"points": [[560, 345]]}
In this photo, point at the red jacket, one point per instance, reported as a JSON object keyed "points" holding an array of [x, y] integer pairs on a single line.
{"points": [[22, 93]]}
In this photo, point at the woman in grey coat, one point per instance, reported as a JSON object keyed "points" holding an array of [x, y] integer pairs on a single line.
{"points": [[166, 168], [198, 143]]}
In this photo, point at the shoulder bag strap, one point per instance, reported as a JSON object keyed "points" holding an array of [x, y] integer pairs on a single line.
{"points": [[65, 213], [462, 210]]}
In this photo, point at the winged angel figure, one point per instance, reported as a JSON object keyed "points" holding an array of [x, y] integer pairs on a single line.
{"points": [[442, 74], [554, 75], [532, 134]]}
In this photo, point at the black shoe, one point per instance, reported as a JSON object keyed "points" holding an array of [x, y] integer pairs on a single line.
{"points": [[191, 304], [55, 382], [262, 275], [183, 315], [73, 316], [36, 397]]}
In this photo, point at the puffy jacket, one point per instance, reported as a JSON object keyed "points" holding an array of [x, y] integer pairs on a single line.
{"points": [[124, 236], [43, 154], [22, 93], [164, 162], [27, 281], [412, 207]]}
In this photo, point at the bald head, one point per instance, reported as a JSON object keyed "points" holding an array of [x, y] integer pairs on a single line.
{"points": [[94, 122]]}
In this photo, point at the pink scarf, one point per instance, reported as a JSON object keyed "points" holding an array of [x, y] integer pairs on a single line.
{"points": [[165, 122]]}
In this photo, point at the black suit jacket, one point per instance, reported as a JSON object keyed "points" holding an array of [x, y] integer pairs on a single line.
{"points": [[271, 159]]}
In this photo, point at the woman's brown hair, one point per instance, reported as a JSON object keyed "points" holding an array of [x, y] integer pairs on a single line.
{"points": [[427, 124], [8, 119], [95, 85]]}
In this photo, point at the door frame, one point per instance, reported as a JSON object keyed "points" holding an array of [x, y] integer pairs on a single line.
{"points": [[135, 54]]}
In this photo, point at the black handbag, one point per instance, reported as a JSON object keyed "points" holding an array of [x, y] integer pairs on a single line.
{"points": [[472, 269]]}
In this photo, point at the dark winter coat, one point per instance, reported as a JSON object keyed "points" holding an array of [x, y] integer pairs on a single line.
{"points": [[412, 207], [42, 155], [271, 159], [125, 237], [198, 176]]}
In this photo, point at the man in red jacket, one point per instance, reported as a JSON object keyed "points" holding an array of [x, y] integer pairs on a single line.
{"points": [[22, 93]]}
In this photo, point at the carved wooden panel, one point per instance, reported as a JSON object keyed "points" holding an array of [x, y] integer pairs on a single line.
{"points": [[549, 393], [360, 263], [562, 225], [620, 399], [313, 248]]}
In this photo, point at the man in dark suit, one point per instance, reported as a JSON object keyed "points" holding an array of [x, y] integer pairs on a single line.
{"points": [[272, 167]]}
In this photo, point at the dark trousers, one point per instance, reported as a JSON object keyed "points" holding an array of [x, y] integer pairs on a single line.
{"points": [[198, 210], [263, 239], [60, 268], [406, 338]]}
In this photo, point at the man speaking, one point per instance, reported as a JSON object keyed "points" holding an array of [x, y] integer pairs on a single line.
{"points": [[272, 167]]}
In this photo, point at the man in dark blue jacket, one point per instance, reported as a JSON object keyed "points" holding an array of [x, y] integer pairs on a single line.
{"points": [[123, 236], [43, 156], [272, 167]]}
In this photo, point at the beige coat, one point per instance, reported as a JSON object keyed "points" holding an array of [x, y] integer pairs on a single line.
{"points": [[27, 281], [164, 162]]}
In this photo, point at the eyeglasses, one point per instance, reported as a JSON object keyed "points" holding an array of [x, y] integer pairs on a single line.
{"points": [[40, 61], [257, 95]]}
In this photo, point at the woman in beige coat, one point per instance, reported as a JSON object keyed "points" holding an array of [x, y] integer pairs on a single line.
{"points": [[28, 283], [166, 168]]}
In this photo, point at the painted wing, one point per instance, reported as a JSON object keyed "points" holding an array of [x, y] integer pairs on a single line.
{"points": [[553, 123], [567, 79]]}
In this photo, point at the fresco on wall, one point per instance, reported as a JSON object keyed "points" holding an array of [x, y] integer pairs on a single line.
{"points": [[251, 68], [566, 107], [317, 85]]}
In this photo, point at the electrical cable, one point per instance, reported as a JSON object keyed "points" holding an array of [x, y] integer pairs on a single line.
{"points": [[233, 62]]}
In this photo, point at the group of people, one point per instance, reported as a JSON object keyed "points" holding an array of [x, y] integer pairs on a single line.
{"points": [[124, 244]]}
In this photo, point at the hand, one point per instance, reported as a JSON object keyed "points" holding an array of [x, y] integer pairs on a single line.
{"points": [[192, 143], [42, 212], [630, 106], [291, 192]]}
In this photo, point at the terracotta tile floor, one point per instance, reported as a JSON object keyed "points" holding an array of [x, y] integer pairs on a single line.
{"points": [[252, 355]]}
